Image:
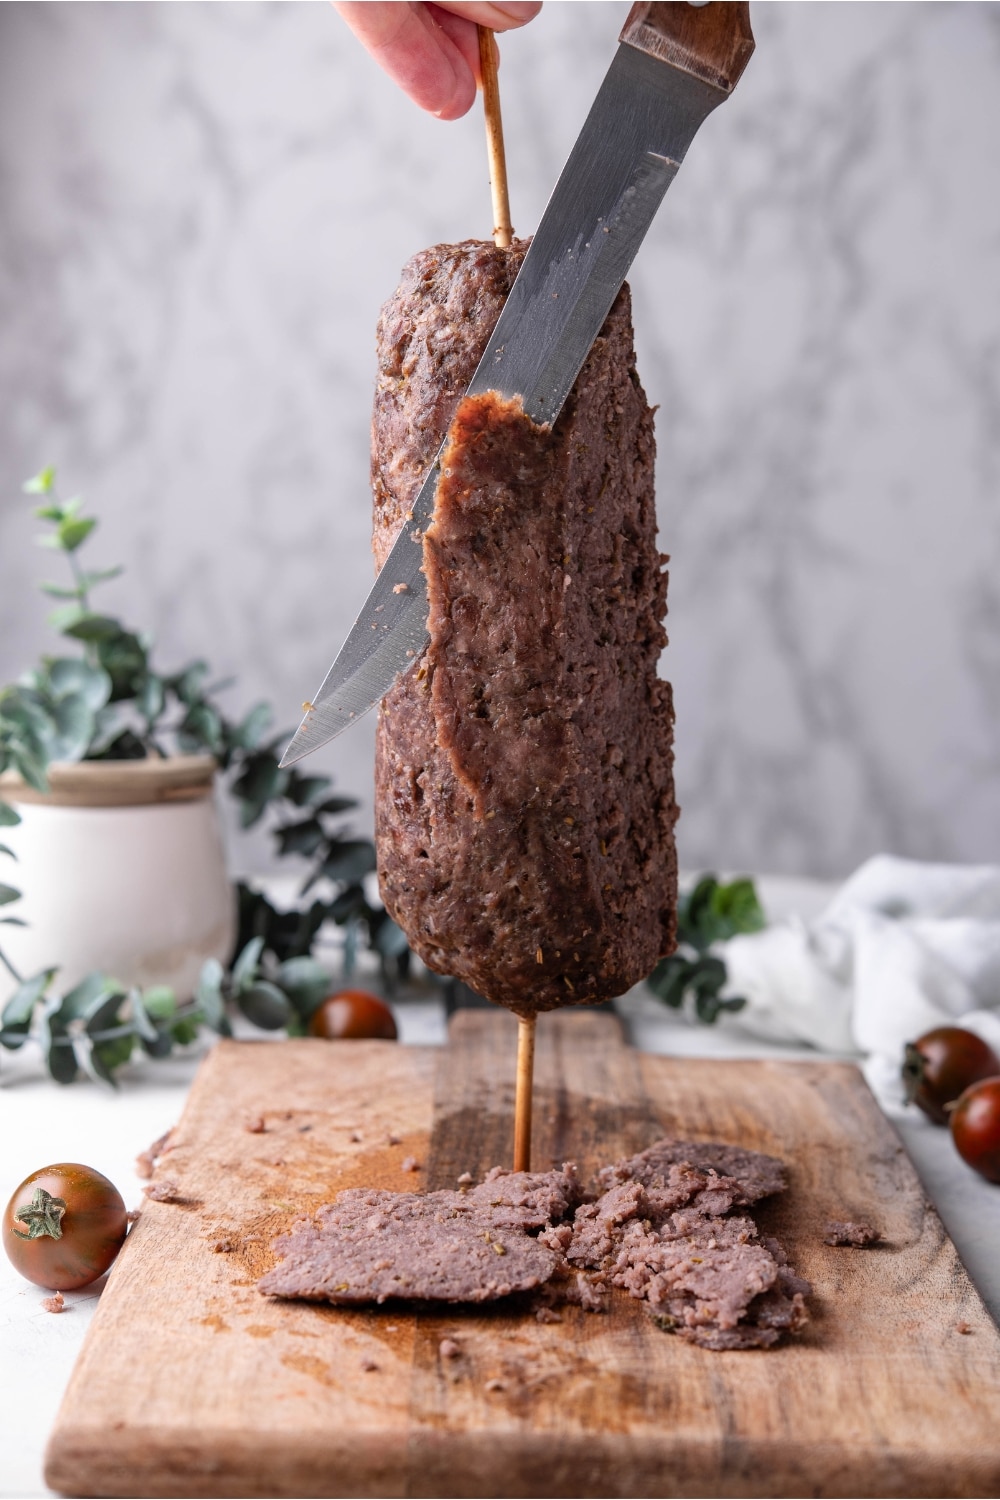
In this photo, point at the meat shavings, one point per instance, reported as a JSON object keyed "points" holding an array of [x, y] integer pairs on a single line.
{"points": [[662, 1230], [846, 1232]]}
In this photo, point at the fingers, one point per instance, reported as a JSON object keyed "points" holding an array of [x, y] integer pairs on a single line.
{"points": [[432, 51], [503, 16]]}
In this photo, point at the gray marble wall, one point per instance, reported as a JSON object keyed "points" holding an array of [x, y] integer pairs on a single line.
{"points": [[202, 207]]}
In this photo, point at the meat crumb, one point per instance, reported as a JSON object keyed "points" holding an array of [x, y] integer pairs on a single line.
{"points": [[255, 1125], [494, 1385], [133, 1215], [224, 1247], [56, 1303], [464, 1180], [394, 1140], [146, 1160], [964, 1327], [354, 1136], [844, 1232], [368, 1365], [448, 1349], [166, 1191], [547, 1315], [409, 1164]]}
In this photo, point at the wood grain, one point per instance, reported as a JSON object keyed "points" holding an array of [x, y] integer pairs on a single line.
{"points": [[711, 42], [191, 1383]]}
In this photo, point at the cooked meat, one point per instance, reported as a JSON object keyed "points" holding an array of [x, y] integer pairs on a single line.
{"points": [[844, 1232], [370, 1246], [439, 1247], [709, 1277], [744, 1177], [524, 793]]}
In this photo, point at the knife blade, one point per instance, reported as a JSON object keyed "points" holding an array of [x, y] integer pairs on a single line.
{"points": [[676, 62]]}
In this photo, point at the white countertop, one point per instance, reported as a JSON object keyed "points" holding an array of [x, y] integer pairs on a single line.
{"points": [[40, 1122]]}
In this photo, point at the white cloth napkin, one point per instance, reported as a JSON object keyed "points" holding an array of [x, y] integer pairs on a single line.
{"points": [[902, 947]]}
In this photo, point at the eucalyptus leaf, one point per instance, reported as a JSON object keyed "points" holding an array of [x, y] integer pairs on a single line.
{"points": [[73, 720], [209, 997], [159, 1001], [245, 966], [66, 616], [247, 734], [188, 684], [306, 982], [58, 590], [42, 482], [74, 531], [9, 816], [349, 860], [151, 697], [76, 1003], [59, 1055], [336, 805], [20, 1008], [12, 922], [95, 628], [265, 1005], [8, 894], [102, 575], [97, 1061], [71, 675], [300, 838], [303, 790], [5, 849], [103, 1010], [30, 767], [390, 940]]}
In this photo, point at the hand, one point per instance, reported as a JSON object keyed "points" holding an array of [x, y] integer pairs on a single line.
{"points": [[432, 51]]}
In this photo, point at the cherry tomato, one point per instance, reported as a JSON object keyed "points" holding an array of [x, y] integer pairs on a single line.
{"points": [[938, 1066], [353, 1014], [975, 1127], [64, 1226]]}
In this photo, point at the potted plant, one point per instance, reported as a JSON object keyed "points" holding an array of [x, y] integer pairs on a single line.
{"points": [[107, 774]]}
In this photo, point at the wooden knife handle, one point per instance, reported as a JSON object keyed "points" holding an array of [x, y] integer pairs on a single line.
{"points": [[713, 42]]}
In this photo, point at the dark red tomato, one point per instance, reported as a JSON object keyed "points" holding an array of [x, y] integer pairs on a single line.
{"points": [[941, 1064], [353, 1014], [975, 1127], [64, 1226]]}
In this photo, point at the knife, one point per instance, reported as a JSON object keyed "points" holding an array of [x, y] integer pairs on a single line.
{"points": [[675, 63]]}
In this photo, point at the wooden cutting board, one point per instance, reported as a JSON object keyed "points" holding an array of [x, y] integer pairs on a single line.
{"points": [[192, 1383]]}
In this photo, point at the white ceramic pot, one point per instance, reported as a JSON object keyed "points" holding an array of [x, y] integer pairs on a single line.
{"points": [[122, 870]]}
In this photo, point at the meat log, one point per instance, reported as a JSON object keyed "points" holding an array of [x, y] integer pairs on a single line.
{"points": [[524, 791]]}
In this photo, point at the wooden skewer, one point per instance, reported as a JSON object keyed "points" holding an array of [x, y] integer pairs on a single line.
{"points": [[522, 1093], [503, 233]]}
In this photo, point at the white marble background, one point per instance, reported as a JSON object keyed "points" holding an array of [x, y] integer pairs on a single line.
{"points": [[202, 207]]}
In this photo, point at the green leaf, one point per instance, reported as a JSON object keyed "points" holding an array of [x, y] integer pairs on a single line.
{"points": [[73, 726], [66, 616], [390, 940], [306, 983], [103, 1009], [349, 860], [12, 922], [246, 736], [4, 849], [155, 1041], [150, 698], [30, 767], [123, 655], [97, 628], [209, 997], [303, 790], [9, 816], [336, 805], [105, 1057], [59, 1056], [8, 894], [102, 575], [188, 684], [260, 780], [184, 1030], [92, 989], [20, 1008], [265, 1006], [245, 966], [71, 675], [58, 590], [42, 482], [668, 980], [201, 729], [74, 531], [159, 1001], [300, 838]]}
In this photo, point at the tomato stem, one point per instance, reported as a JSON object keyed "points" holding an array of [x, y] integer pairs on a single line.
{"points": [[43, 1216]]}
